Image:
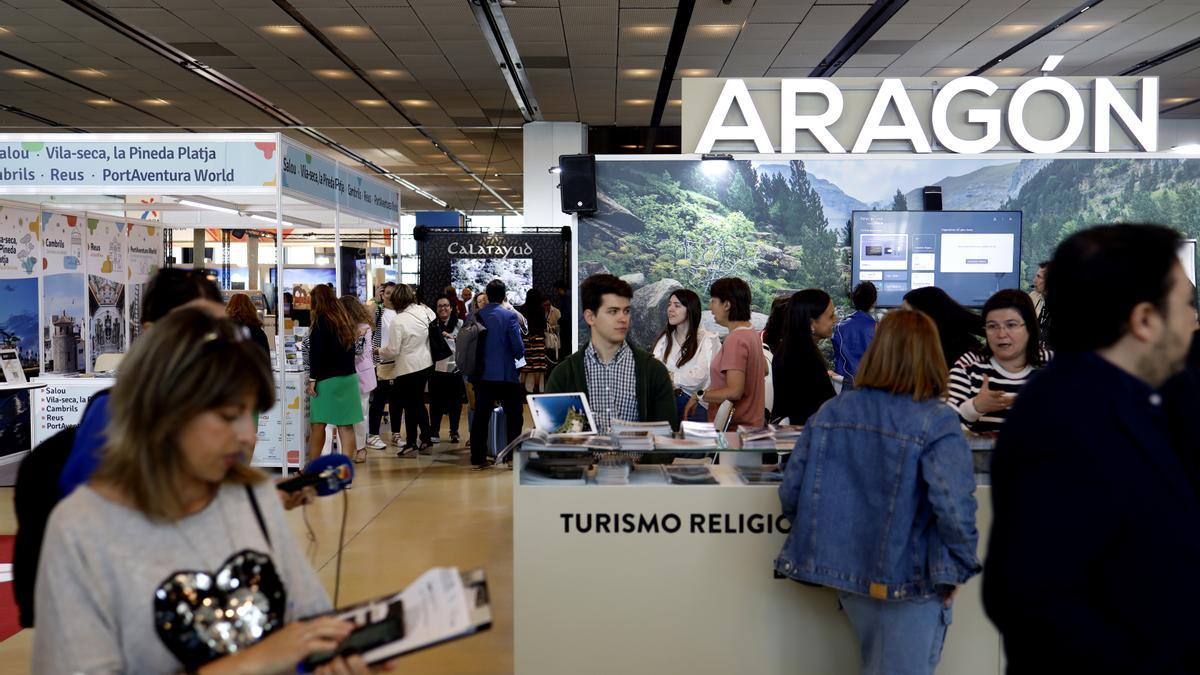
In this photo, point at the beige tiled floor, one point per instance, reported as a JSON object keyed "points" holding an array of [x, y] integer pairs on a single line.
{"points": [[405, 516]]}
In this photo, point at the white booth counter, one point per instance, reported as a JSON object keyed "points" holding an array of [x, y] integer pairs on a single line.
{"points": [[61, 401], [654, 577]]}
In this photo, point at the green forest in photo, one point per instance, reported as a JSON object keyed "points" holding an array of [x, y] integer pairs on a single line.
{"points": [[769, 223]]}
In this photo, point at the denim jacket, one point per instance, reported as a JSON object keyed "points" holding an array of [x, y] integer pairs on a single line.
{"points": [[879, 493]]}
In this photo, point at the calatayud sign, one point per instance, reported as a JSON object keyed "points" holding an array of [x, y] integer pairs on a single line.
{"points": [[489, 248], [967, 115]]}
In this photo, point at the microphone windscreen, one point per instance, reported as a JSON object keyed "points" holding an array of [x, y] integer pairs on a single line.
{"points": [[335, 465]]}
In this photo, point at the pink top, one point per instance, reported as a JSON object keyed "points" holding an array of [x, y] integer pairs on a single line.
{"points": [[742, 351]]}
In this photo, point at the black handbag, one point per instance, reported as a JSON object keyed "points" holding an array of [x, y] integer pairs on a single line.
{"points": [[438, 348]]}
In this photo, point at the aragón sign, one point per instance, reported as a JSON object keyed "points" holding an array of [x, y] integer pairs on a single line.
{"points": [[967, 115]]}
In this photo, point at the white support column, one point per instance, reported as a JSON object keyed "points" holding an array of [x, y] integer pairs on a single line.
{"points": [[543, 143]]}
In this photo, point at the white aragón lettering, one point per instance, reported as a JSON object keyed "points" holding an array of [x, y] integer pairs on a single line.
{"points": [[1107, 103]]}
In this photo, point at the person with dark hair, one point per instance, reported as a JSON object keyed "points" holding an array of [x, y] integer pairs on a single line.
{"points": [[738, 372], [533, 373], [1038, 295], [773, 332], [460, 308], [879, 493], [1091, 502], [958, 327], [169, 289], [800, 372], [128, 558], [852, 336], [407, 343], [687, 350], [446, 383], [497, 382], [984, 383], [243, 312], [467, 310], [566, 320], [329, 352], [622, 382]]}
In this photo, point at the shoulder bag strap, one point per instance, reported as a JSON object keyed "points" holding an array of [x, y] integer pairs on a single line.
{"points": [[262, 524]]}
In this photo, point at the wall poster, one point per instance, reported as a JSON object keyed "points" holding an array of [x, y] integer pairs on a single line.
{"points": [[145, 257], [64, 299], [106, 268], [19, 254]]}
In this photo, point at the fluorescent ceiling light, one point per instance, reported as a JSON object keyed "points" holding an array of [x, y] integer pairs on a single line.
{"points": [[1187, 149], [1051, 62], [210, 207], [265, 219]]}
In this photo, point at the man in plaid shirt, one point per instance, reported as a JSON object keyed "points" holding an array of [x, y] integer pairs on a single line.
{"points": [[622, 382]]}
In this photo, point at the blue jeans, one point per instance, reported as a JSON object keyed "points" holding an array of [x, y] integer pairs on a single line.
{"points": [[700, 414], [898, 637]]}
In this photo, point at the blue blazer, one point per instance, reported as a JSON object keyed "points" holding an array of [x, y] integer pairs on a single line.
{"points": [[502, 344]]}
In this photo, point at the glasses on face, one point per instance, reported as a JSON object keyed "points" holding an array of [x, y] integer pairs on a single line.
{"points": [[1008, 326]]}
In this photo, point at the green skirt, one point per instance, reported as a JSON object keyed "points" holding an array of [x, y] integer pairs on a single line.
{"points": [[336, 402]]}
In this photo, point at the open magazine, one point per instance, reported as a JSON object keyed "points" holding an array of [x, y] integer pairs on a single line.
{"points": [[441, 605]]}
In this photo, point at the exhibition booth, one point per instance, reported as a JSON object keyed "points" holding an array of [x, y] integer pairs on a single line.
{"points": [[793, 184], [74, 264]]}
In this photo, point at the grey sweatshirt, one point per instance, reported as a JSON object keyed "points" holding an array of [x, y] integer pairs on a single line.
{"points": [[102, 562]]}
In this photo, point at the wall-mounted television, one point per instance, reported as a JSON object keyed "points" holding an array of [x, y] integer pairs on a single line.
{"points": [[968, 254]]}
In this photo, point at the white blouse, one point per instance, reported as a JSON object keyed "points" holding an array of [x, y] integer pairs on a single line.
{"points": [[692, 375]]}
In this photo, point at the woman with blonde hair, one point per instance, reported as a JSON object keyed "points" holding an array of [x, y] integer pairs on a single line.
{"points": [[176, 556], [364, 366], [879, 493], [329, 352]]}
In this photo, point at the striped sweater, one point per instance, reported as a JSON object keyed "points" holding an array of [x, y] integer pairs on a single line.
{"points": [[966, 380]]}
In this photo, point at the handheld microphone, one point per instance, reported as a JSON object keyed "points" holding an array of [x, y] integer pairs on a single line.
{"points": [[329, 474]]}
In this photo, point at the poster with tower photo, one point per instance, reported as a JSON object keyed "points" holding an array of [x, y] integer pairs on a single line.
{"points": [[64, 294], [106, 267]]}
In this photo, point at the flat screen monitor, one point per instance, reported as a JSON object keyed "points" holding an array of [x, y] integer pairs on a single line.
{"points": [[968, 254], [305, 276]]}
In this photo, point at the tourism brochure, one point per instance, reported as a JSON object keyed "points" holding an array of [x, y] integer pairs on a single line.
{"points": [[11, 371], [441, 605]]}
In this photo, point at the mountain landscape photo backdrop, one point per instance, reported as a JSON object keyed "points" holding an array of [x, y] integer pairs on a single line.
{"points": [[783, 225]]}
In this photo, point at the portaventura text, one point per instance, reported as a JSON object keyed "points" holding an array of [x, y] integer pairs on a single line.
{"points": [[671, 523], [489, 250]]}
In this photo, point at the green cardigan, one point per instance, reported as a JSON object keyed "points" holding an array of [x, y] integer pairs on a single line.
{"points": [[655, 393]]}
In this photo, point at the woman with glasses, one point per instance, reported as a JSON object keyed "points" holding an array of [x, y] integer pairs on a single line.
{"points": [[984, 383]]}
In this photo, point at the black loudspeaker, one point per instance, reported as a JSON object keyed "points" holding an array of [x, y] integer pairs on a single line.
{"points": [[577, 183], [933, 197], [565, 234], [419, 232]]}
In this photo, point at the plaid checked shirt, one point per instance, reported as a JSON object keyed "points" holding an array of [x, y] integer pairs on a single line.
{"points": [[612, 387]]}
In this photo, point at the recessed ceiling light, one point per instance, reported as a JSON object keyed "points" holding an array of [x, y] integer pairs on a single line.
{"points": [[696, 72], [1016, 28], [156, 101], [1007, 72], [675, 101], [638, 101], [26, 73], [389, 73], [649, 31], [89, 72], [101, 101], [415, 102], [4, 31], [332, 73], [633, 147], [640, 72], [1178, 99], [719, 30], [351, 31], [371, 102], [665, 145], [950, 72], [286, 30]]}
